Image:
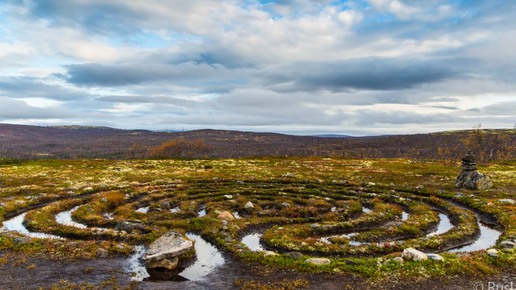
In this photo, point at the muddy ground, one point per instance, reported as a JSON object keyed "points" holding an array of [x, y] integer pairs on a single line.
{"points": [[19, 271]]}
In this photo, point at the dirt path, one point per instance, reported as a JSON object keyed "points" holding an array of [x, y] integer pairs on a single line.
{"points": [[16, 273]]}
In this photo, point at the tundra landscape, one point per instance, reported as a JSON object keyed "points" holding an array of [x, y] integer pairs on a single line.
{"points": [[281, 222], [257, 144]]}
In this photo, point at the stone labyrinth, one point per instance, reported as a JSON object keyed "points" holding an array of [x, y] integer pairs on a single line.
{"points": [[283, 222]]}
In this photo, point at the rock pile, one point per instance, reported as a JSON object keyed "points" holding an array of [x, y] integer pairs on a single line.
{"points": [[469, 177], [165, 251]]}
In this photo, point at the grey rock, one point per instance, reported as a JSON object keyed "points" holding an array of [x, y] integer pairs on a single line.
{"points": [[129, 226], [171, 244], [318, 261], [399, 260], [414, 254], [434, 257], [508, 245], [473, 180], [102, 253], [294, 255], [507, 201], [21, 240], [351, 263], [315, 226], [169, 264], [249, 205]]}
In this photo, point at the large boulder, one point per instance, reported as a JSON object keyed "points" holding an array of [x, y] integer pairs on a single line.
{"points": [[169, 264], [473, 180], [413, 254], [170, 245]]}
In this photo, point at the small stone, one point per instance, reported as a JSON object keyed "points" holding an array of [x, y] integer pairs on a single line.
{"points": [[102, 253], [285, 204], [58, 244], [315, 226], [318, 261], [371, 184], [225, 215], [294, 255], [414, 254], [492, 251], [434, 257], [270, 253], [351, 263], [508, 245], [507, 201], [419, 187], [239, 182], [399, 260], [21, 240], [459, 195], [249, 205], [165, 263], [216, 179], [228, 196]]}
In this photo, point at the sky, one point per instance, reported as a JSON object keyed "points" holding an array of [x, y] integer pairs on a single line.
{"points": [[366, 67]]}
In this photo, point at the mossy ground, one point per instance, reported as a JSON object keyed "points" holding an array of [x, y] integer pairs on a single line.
{"points": [[310, 186]]}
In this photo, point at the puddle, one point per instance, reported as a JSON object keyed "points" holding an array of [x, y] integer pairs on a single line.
{"points": [[135, 265], [65, 218], [252, 241], [143, 209], [487, 239], [175, 210], [443, 226], [109, 216], [208, 258], [201, 213], [16, 224]]}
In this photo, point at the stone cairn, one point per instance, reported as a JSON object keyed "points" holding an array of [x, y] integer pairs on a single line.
{"points": [[469, 177]]}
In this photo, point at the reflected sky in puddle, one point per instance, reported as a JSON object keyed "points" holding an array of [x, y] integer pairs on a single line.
{"points": [[208, 257], [443, 226], [202, 212], [143, 209], [252, 241], [65, 218], [404, 216], [16, 224], [487, 239]]}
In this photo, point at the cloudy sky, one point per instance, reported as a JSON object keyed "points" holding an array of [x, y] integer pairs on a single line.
{"points": [[295, 66]]}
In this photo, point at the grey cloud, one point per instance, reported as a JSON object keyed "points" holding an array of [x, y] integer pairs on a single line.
{"points": [[94, 74], [25, 87], [361, 74], [15, 109], [149, 100]]}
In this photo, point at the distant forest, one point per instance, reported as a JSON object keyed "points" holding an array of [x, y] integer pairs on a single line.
{"points": [[83, 142]]}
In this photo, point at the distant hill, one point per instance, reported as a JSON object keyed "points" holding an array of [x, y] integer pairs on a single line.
{"points": [[333, 136], [71, 142]]}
